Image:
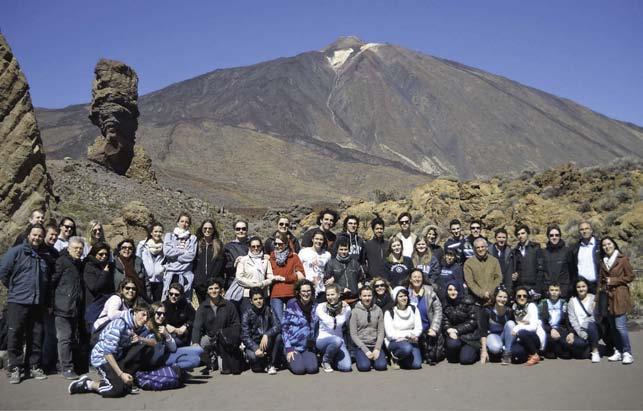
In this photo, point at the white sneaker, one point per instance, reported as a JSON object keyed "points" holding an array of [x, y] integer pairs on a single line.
{"points": [[272, 370], [596, 357], [615, 357], [326, 367], [627, 358]]}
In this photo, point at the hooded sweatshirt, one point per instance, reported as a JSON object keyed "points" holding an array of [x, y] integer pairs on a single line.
{"points": [[114, 339], [367, 327]]}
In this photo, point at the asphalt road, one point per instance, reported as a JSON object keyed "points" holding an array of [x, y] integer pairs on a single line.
{"points": [[552, 384]]}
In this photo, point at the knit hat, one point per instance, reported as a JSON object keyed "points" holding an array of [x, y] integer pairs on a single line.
{"points": [[396, 291]]}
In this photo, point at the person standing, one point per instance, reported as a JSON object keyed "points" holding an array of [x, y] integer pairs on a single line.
{"points": [[179, 248], [528, 257], [405, 235], [210, 259], [37, 216], [585, 257], [355, 241], [556, 261], [502, 251], [150, 251], [482, 273], [67, 228], [283, 226], [234, 250], [24, 271], [326, 221], [375, 251]]}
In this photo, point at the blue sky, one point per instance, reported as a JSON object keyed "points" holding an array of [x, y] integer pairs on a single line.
{"points": [[590, 51]]}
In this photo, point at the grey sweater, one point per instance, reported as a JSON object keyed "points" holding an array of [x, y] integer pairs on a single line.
{"points": [[367, 335]]}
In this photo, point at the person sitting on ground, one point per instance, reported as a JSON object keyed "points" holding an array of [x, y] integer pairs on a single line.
{"points": [[583, 333], [217, 330], [128, 265], [114, 341], [496, 323], [261, 334], [428, 305], [298, 330], [332, 315], [398, 265], [209, 262], [367, 332], [382, 294], [403, 327], [118, 304], [424, 260], [552, 312], [344, 271], [150, 251], [179, 248], [179, 315], [314, 260], [529, 336], [460, 325], [254, 271], [287, 269]]}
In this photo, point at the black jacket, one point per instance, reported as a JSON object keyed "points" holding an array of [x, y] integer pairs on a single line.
{"points": [[573, 260], [231, 251], [356, 246], [225, 322], [178, 315], [139, 267], [346, 275], [530, 268], [557, 267], [98, 282], [307, 238], [254, 326], [207, 266], [506, 261], [543, 315], [293, 244], [68, 287], [462, 316], [375, 251]]}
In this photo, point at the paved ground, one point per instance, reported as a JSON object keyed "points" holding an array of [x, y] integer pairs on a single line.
{"points": [[554, 384]]}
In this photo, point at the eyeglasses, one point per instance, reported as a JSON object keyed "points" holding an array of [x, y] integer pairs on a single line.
{"points": [[129, 288], [174, 294], [475, 228], [380, 285], [241, 229], [402, 222], [554, 235], [280, 243], [255, 247], [160, 313], [126, 247], [521, 295]]}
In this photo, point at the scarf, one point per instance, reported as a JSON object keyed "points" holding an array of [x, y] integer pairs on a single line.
{"points": [[343, 260], [282, 256], [368, 311], [153, 247], [520, 311], [306, 309], [415, 298], [609, 261], [130, 273], [258, 311], [257, 259], [383, 300], [558, 246], [334, 310], [181, 234]]}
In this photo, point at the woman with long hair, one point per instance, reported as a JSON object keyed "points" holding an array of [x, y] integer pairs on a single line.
{"points": [[210, 261], [253, 271], [496, 324], [429, 307], [117, 305], [583, 333], [424, 260], [286, 265], [333, 314], [180, 249], [150, 251], [403, 326], [460, 325], [298, 329], [529, 336], [399, 266], [128, 265]]}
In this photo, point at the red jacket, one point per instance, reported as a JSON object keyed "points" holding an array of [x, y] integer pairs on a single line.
{"points": [[281, 289]]}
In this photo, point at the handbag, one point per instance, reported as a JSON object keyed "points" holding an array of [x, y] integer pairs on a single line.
{"points": [[235, 292]]}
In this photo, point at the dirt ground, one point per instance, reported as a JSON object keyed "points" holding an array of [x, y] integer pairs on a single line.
{"points": [[552, 384]]}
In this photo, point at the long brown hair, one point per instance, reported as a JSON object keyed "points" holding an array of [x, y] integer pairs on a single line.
{"points": [[151, 321], [217, 245]]}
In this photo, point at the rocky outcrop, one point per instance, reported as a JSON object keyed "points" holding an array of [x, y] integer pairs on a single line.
{"points": [[114, 109], [24, 181], [131, 223]]}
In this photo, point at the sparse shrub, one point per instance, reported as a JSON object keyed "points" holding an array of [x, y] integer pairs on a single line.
{"points": [[584, 207], [623, 195], [550, 192], [607, 203]]}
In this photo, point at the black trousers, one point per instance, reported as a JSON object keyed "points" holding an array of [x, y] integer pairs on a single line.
{"points": [[25, 326]]}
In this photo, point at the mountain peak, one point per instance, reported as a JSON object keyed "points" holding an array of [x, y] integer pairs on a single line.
{"points": [[344, 42]]}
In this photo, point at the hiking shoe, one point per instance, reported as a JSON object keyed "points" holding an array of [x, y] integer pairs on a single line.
{"points": [[627, 358], [533, 360], [38, 373], [79, 386], [506, 358], [615, 357], [70, 375], [272, 370], [326, 367], [14, 376], [596, 357], [205, 371]]}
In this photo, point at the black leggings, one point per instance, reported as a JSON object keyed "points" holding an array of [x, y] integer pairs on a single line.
{"points": [[458, 351], [526, 343]]}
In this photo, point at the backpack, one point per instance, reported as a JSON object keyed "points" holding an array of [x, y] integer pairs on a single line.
{"points": [[165, 378]]}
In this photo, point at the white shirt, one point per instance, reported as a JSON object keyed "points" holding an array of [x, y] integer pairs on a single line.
{"points": [[407, 244], [314, 264], [327, 326], [586, 260], [402, 325]]}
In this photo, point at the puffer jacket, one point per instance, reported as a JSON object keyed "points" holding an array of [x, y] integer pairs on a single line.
{"points": [[115, 338], [463, 316], [254, 325], [298, 333], [67, 285]]}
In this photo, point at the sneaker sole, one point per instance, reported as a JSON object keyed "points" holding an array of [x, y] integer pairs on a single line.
{"points": [[82, 378]]}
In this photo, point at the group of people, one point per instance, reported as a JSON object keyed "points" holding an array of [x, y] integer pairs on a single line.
{"points": [[178, 300]]}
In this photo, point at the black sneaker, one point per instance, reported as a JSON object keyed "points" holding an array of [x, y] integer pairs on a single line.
{"points": [[79, 386]]}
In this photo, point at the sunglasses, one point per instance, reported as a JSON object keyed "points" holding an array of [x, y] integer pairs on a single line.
{"points": [[475, 228], [160, 313], [380, 285], [405, 221], [554, 235], [174, 294], [521, 296], [241, 229], [255, 247], [129, 288], [97, 230], [284, 224], [127, 248], [68, 227]]}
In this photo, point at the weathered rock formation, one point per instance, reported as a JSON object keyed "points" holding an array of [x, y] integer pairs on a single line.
{"points": [[114, 109], [131, 224], [24, 181]]}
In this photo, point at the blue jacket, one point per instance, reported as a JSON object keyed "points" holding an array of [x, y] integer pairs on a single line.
{"points": [[26, 274], [115, 338], [298, 333]]}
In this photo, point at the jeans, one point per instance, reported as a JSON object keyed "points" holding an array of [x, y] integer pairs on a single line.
{"points": [[407, 353], [25, 325], [334, 352], [364, 363], [275, 348], [304, 363], [277, 305], [66, 333], [185, 357], [496, 342], [618, 326], [49, 356], [579, 345], [457, 351]]}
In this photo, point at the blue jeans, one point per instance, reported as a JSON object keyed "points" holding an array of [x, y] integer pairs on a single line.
{"points": [[334, 352], [275, 348], [185, 357], [364, 364], [407, 353], [618, 327], [304, 363], [278, 305], [457, 351], [496, 342], [579, 345]]}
